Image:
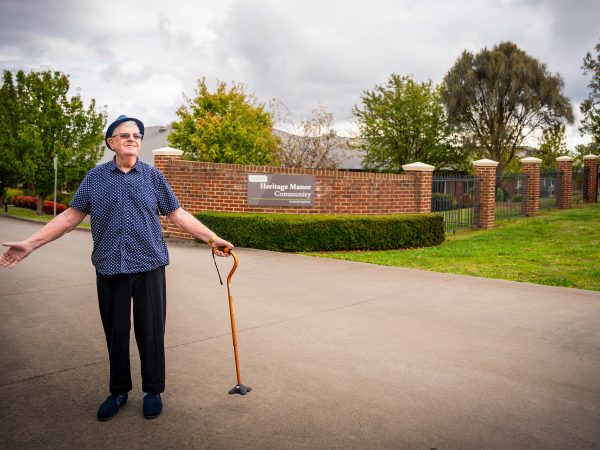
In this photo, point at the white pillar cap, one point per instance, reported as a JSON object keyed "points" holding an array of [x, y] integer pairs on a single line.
{"points": [[590, 156], [418, 167], [167, 151], [565, 158], [531, 159], [485, 163]]}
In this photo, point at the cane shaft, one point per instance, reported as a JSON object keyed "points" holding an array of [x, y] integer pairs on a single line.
{"points": [[234, 337], [232, 317]]}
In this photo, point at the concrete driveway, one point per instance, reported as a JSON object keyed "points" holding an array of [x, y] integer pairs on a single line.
{"points": [[339, 355]]}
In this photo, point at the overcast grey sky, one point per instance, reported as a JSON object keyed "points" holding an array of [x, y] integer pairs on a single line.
{"points": [[139, 57]]}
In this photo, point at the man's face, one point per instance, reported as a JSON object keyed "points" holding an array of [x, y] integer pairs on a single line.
{"points": [[123, 142]]}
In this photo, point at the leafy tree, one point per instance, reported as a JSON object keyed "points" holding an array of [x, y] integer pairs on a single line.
{"points": [[313, 143], [552, 145], [11, 162], [590, 107], [44, 123], [499, 97], [227, 126], [582, 150], [404, 122]]}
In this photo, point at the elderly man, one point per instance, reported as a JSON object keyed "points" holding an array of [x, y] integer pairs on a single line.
{"points": [[124, 198]]}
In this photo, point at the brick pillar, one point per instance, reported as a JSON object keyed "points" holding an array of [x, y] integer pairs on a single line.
{"points": [[485, 201], [590, 162], [422, 184], [564, 165], [162, 156], [531, 198]]}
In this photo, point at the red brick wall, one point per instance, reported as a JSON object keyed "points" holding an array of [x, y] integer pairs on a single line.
{"points": [[591, 164], [531, 203], [223, 187], [422, 191], [565, 168], [485, 209]]}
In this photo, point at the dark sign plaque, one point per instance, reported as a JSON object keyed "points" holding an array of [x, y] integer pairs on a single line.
{"points": [[281, 190]]}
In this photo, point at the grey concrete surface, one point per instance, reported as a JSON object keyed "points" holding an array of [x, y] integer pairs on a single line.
{"points": [[339, 355]]}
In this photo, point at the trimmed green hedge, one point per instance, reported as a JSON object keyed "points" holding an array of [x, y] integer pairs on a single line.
{"points": [[311, 232]]}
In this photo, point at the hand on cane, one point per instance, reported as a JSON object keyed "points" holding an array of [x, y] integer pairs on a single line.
{"points": [[216, 242]]}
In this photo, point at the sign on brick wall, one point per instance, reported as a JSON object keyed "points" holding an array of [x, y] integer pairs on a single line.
{"points": [[281, 190]]}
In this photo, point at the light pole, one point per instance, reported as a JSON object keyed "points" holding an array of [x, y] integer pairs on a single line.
{"points": [[55, 176]]}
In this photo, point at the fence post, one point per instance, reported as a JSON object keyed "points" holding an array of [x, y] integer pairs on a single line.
{"points": [[590, 181], [162, 157], [423, 179], [531, 169], [564, 165], [485, 202]]}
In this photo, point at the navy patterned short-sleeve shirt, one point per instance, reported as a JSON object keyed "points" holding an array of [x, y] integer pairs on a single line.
{"points": [[124, 211]]}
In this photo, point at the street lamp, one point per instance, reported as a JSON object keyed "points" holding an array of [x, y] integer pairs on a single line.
{"points": [[55, 176]]}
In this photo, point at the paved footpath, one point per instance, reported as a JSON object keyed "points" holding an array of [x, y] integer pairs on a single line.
{"points": [[339, 355]]}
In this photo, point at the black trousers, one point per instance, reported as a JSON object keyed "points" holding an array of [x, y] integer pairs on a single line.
{"points": [[148, 291]]}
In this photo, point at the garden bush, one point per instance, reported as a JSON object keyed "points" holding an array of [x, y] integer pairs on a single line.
{"points": [[49, 207], [11, 193], [27, 201], [24, 201], [442, 201], [61, 197], [312, 232], [500, 194]]}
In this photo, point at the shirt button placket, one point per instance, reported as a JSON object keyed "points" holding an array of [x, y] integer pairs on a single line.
{"points": [[122, 242], [127, 227]]}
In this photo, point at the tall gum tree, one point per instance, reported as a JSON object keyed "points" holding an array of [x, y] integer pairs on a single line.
{"points": [[590, 107], [500, 97]]}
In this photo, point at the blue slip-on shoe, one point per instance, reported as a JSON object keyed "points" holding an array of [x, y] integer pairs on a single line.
{"points": [[110, 407], [152, 405]]}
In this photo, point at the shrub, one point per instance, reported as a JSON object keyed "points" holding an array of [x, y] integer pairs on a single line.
{"points": [[443, 202], [49, 207], [500, 194], [25, 201], [311, 232], [61, 197], [11, 193]]}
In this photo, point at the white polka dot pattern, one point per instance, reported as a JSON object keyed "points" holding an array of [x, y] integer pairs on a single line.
{"points": [[124, 211]]}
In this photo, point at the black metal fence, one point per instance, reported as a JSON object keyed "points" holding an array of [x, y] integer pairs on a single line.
{"points": [[550, 185], [454, 197], [577, 185], [511, 190]]}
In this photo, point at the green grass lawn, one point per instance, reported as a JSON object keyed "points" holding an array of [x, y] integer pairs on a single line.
{"points": [[30, 214], [556, 248]]}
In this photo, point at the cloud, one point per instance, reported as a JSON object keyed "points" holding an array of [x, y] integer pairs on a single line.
{"points": [[139, 57]]}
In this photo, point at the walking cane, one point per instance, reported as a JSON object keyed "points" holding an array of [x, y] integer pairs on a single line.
{"points": [[239, 387]]}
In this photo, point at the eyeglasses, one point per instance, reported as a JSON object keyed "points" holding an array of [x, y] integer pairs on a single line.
{"points": [[125, 136]]}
